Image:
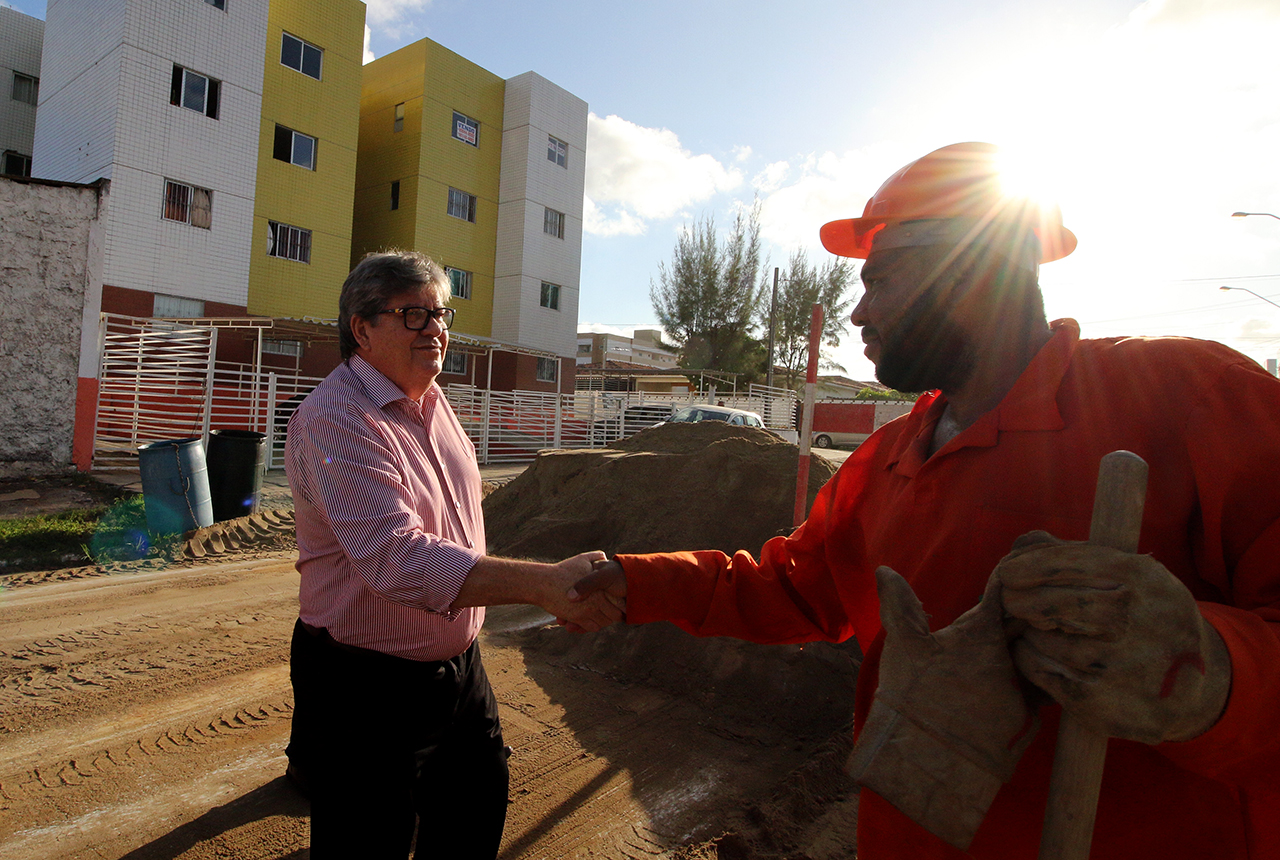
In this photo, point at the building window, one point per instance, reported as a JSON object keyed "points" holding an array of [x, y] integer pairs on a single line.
{"points": [[301, 56], [218, 4], [176, 307], [291, 348], [459, 283], [26, 88], [398, 125], [16, 164], [553, 223], [454, 362], [550, 296], [462, 205], [547, 368], [188, 204], [557, 151], [195, 92], [295, 147], [288, 242], [395, 195], [466, 129]]}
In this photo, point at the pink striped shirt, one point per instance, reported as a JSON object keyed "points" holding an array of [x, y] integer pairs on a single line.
{"points": [[386, 496]]}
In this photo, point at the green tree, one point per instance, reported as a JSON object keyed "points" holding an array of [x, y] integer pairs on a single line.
{"points": [[708, 298], [800, 287]]}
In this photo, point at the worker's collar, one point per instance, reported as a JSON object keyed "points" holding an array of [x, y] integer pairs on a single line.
{"points": [[1031, 405]]}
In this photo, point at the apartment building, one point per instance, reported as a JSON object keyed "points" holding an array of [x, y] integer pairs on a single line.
{"points": [[306, 150], [252, 159], [163, 98], [643, 349], [21, 38], [486, 176]]}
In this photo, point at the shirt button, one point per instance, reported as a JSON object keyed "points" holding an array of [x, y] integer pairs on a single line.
{"points": [[471, 544], [458, 505]]}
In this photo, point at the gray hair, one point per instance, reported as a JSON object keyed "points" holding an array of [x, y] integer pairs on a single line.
{"points": [[376, 279]]}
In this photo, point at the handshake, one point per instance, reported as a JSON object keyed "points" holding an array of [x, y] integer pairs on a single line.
{"points": [[588, 594]]}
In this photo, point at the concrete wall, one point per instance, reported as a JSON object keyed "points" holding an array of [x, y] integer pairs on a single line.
{"points": [[50, 288]]}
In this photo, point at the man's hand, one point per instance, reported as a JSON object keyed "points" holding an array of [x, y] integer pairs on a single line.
{"points": [[494, 581], [606, 581], [582, 613], [949, 721], [1115, 638]]}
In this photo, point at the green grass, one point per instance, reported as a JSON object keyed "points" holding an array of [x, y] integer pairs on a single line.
{"points": [[73, 538]]}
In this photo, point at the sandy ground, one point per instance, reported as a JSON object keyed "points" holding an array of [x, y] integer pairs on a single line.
{"points": [[144, 713]]}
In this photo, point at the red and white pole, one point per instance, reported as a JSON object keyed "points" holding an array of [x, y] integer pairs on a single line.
{"points": [[806, 420]]}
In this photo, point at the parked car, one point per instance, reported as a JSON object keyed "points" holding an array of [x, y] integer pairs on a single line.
{"points": [[633, 420], [736, 417]]}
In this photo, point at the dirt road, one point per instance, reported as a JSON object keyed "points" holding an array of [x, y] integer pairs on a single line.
{"points": [[144, 714]]}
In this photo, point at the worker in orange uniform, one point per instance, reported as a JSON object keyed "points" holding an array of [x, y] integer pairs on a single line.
{"points": [[1007, 440]]}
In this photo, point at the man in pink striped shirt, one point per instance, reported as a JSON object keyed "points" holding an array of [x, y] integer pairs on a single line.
{"points": [[394, 716]]}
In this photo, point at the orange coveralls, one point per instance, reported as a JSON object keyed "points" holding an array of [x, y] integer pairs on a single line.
{"points": [[1207, 421]]}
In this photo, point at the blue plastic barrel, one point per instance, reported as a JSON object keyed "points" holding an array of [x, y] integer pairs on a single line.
{"points": [[175, 486]]}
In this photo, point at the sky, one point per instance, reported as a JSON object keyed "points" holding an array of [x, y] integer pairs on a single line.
{"points": [[1150, 123]]}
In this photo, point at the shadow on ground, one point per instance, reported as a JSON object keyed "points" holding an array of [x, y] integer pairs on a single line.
{"points": [[273, 816]]}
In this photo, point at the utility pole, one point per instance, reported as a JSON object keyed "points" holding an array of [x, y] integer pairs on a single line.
{"points": [[773, 303]]}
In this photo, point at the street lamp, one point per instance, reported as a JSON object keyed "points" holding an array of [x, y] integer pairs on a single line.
{"points": [[1251, 292], [1247, 214]]}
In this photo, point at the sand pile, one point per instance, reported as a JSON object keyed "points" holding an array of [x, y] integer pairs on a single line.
{"points": [[700, 486], [678, 486]]}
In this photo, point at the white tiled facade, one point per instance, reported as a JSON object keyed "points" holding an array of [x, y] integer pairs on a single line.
{"points": [[105, 112], [527, 256], [20, 40]]}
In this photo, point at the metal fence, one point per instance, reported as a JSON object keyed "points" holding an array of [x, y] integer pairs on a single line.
{"points": [[159, 380], [513, 426]]}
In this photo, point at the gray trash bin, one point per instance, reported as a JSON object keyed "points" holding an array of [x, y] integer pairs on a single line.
{"points": [[237, 464], [175, 486]]}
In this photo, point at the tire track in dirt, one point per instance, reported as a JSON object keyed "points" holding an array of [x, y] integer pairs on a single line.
{"points": [[127, 695]]}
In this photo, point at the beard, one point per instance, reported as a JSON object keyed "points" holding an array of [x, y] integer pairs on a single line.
{"points": [[925, 350]]}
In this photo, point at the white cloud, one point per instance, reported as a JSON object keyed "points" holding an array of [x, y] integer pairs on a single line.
{"points": [[368, 55], [637, 174], [381, 12], [770, 179], [822, 187]]}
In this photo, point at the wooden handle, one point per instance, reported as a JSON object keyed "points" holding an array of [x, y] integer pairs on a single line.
{"points": [[1082, 752]]}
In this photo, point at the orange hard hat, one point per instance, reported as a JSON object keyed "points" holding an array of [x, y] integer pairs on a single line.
{"points": [[951, 195]]}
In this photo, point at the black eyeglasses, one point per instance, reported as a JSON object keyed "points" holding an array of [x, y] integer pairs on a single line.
{"points": [[416, 319]]}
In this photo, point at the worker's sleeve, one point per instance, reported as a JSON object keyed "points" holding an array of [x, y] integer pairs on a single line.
{"points": [[790, 595], [394, 546], [1234, 458]]}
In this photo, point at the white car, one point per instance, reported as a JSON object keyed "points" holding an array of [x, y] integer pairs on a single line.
{"points": [[735, 417]]}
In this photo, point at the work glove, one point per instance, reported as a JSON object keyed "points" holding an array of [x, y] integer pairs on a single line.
{"points": [[949, 721], [1115, 638]]}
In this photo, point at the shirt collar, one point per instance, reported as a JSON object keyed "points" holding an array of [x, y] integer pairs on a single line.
{"points": [[383, 391], [1032, 404]]}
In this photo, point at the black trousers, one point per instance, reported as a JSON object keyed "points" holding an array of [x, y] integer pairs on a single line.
{"points": [[381, 739]]}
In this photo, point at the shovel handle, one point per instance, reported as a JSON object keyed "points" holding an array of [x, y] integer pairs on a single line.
{"points": [[1082, 752]]}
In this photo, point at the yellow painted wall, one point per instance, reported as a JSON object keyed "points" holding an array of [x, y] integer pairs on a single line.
{"points": [[432, 82], [319, 200]]}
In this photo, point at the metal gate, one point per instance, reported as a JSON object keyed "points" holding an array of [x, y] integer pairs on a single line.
{"points": [[153, 384], [158, 379]]}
